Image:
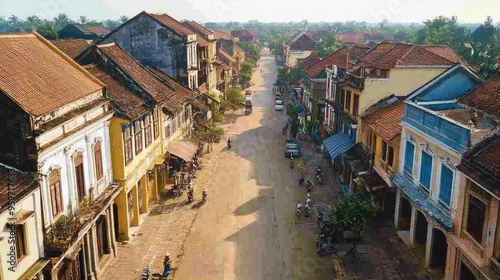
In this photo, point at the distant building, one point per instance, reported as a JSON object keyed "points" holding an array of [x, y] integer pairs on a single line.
{"points": [[243, 35], [350, 38], [299, 47], [79, 31]]}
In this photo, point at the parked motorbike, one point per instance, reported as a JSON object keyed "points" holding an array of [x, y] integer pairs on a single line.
{"points": [[146, 273], [326, 249], [302, 179], [299, 212], [320, 218]]}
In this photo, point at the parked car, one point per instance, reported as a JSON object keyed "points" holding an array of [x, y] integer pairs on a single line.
{"points": [[279, 105], [292, 147]]}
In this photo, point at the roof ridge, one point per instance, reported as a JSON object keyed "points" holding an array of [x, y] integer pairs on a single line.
{"points": [[426, 50], [326, 57], [409, 50]]}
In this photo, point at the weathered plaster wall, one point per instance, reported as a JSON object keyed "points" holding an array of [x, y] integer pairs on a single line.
{"points": [[154, 46]]}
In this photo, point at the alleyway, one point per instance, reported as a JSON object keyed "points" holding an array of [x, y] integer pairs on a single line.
{"points": [[248, 228]]}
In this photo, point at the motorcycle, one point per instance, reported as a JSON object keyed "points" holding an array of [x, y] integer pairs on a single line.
{"points": [[291, 162], [307, 211], [320, 218], [190, 196], [299, 212], [309, 186], [319, 179], [204, 196], [301, 180], [146, 273], [326, 249], [167, 270], [229, 144]]}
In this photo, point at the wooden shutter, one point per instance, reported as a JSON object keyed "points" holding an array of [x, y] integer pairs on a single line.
{"points": [[98, 160], [446, 185], [409, 154], [59, 197], [20, 242], [426, 170], [53, 199], [80, 181]]}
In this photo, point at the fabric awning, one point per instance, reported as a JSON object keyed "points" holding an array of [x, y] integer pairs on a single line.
{"points": [[21, 216], [338, 144], [183, 149], [373, 182]]}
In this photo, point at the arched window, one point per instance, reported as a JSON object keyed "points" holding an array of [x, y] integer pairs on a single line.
{"points": [[55, 192]]}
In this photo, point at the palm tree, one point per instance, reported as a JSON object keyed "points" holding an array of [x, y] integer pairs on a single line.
{"points": [[33, 22], [14, 23], [48, 30], [62, 20], [83, 19]]}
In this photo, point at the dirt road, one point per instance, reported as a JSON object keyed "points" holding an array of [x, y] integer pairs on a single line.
{"points": [[248, 228]]}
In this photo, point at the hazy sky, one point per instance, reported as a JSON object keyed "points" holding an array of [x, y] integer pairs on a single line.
{"points": [[262, 10]]}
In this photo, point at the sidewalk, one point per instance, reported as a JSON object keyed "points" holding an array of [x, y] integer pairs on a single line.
{"points": [[382, 254]]}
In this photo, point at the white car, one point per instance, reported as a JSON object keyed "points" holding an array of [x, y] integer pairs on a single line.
{"points": [[279, 105]]}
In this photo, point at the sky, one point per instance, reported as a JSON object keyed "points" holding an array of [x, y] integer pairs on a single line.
{"points": [[469, 11]]}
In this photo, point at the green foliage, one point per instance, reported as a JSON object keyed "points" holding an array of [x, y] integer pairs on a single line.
{"points": [[327, 46], [293, 112], [233, 99], [294, 75], [310, 126], [58, 239], [246, 67], [352, 213], [253, 48]]}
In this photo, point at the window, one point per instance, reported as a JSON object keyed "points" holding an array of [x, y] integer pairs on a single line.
{"points": [[178, 120], [355, 105], [174, 125], [445, 185], [347, 106], [384, 151], [426, 170], [55, 192], [156, 123], [138, 136], [20, 242], [390, 157], [476, 214], [167, 131], [99, 172], [354, 133], [186, 114], [127, 140], [130, 206], [409, 155], [342, 97], [80, 180], [147, 130]]}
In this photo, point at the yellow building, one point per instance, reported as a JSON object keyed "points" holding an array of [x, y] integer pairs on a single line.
{"points": [[144, 102]]}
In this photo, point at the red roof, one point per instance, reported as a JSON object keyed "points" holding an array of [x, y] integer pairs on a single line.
{"points": [[351, 37], [298, 36], [338, 58], [445, 52], [172, 23], [71, 47], [224, 55], [222, 65], [222, 35], [386, 122], [23, 184], [485, 97], [388, 55], [241, 33], [308, 61], [99, 30], [198, 27]]}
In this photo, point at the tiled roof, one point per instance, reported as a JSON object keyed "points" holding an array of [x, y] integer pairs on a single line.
{"points": [[386, 122], [222, 65], [71, 47], [222, 35], [485, 97], [308, 61], [198, 27], [172, 23], [388, 55], [20, 183], [202, 41], [298, 36], [445, 52], [224, 55], [38, 77], [238, 49], [338, 58], [154, 86], [180, 93], [99, 30], [241, 33], [351, 37], [126, 100]]}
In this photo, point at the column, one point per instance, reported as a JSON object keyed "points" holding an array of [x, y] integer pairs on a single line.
{"points": [[121, 202], [109, 229], [106, 144], [93, 250], [88, 257], [429, 244], [397, 208], [413, 224], [112, 228], [90, 180], [135, 206], [72, 198], [84, 264]]}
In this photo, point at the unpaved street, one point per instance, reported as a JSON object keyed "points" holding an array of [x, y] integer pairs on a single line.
{"points": [[247, 229]]}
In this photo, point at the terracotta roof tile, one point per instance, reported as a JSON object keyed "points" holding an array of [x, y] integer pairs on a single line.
{"points": [[485, 97], [20, 183], [154, 86], [351, 37], [172, 23], [298, 36], [308, 61], [386, 122], [180, 93], [241, 33], [238, 49], [198, 27], [126, 100], [71, 47], [222, 65], [225, 56], [222, 35], [38, 77], [444, 51], [98, 30], [338, 58]]}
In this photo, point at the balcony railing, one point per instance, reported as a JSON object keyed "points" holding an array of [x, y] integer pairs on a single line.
{"points": [[355, 81]]}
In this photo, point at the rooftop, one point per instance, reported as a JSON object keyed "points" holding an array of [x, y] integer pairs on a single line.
{"points": [[198, 27], [338, 58], [222, 35], [485, 97], [386, 120], [38, 76], [16, 184], [172, 23], [71, 47], [309, 61]]}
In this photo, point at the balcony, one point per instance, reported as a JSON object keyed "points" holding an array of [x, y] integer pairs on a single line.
{"points": [[355, 81]]}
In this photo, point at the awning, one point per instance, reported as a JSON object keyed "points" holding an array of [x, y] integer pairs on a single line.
{"points": [[20, 217], [338, 144], [373, 182], [34, 269], [183, 149]]}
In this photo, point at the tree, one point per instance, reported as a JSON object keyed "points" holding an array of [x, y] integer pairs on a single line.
{"points": [[246, 67], [233, 99], [61, 20], [327, 46], [208, 134], [48, 30], [14, 23], [245, 78], [83, 19], [352, 213], [124, 19], [33, 22]]}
